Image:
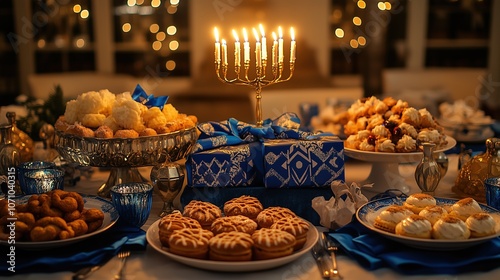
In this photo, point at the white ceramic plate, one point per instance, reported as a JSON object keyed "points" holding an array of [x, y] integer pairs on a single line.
{"points": [[367, 213], [154, 241], [110, 218], [395, 157]]}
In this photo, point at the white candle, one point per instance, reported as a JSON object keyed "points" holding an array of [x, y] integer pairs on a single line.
{"points": [[258, 53], [224, 53], [264, 43], [237, 56], [280, 45], [217, 45], [246, 47], [292, 46], [275, 50]]}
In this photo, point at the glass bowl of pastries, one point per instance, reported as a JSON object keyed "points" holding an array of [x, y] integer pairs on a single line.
{"points": [[106, 130]]}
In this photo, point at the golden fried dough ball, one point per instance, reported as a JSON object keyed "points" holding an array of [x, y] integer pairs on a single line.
{"points": [[93, 120], [61, 124], [170, 112], [127, 112], [126, 133], [71, 113], [79, 130], [154, 118], [111, 123], [148, 132], [104, 132]]}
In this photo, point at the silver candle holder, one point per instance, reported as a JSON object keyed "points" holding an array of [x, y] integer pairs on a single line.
{"points": [[261, 61]]}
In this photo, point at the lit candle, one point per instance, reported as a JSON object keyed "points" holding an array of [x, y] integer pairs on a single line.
{"points": [[224, 53], [246, 47], [217, 45], [237, 44], [292, 46], [275, 50], [258, 54], [280, 45], [264, 47]]}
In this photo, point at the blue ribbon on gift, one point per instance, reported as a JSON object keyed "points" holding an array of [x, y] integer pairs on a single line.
{"points": [[233, 132], [141, 96]]}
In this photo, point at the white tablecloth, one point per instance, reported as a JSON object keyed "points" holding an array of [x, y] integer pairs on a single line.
{"points": [[153, 265]]}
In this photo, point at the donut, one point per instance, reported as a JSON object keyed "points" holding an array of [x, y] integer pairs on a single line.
{"points": [[268, 216], [272, 243], [172, 222], [231, 246], [244, 205], [295, 226], [233, 223], [204, 212], [190, 242]]}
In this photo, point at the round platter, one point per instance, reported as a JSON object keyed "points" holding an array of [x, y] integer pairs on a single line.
{"points": [[126, 152], [110, 218], [367, 213], [395, 157], [152, 235]]}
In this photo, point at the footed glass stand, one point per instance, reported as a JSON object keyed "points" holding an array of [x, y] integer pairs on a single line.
{"points": [[384, 173], [124, 155]]}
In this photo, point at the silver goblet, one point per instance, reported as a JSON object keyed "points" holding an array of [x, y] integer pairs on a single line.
{"points": [[168, 179]]}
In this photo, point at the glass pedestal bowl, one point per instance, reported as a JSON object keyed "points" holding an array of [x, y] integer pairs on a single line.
{"points": [[124, 155]]}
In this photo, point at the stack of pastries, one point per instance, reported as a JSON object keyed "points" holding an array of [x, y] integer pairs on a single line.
{"points": [[390, 126], [55, 215], [242, 231], [421, 217], [104, 114]]}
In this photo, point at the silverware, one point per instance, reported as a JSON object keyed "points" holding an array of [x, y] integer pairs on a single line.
{"points": [[331, 247], [85, 272], [319, 255], [123, 255]]}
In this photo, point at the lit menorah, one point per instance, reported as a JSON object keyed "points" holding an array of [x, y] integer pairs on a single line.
{"points": [[260, 80]]}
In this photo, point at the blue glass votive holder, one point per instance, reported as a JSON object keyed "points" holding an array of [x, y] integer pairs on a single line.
{"points": [[133, 202], [492, 186], [42, 181], [24, 167]]}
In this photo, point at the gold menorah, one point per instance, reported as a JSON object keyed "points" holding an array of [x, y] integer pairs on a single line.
{"points": [[260, 80]]}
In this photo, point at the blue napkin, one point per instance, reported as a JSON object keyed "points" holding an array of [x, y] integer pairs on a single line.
{"points": [[373, 251], [95, 250]]}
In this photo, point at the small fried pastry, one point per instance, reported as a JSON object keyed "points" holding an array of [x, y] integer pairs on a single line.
{"points": [[272, 243], [93, 217], [450, 228], [414, 226], [79, 226], [244, 205], [388, 218], [204, 212], [190, 242], [418, 201], [126, 133], [80, 130], [104, 131], [270, 215], [233, 223], [295, 226], [173, 222], [481, 224], [231, 246]]}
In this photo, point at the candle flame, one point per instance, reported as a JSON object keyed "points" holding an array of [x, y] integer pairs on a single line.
{"points": [[245, 35], [255, 34], [262, 30], [235, 36], [274, 36], [216, 33], [280, 32], [223, 41], [292, 34]]}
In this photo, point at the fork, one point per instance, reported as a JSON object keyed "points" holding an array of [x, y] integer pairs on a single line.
{"points": [[332, 248], [123, 255]]}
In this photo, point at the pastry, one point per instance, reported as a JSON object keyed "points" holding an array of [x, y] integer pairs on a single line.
{"points": [[244, 205], [233, 223], [172, 222], [481, 224], [272, 243], [204, 212], [418, 201], [268, 216], [414, 226], [231, 246], [464, 208], [388, 218], [190, 242], [295, 226], [104, 132], [450, 228], [433, 213]]}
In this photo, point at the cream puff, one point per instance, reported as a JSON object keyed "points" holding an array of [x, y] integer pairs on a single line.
{"points": [[414, 226], [464, 208], [481, 224], [388, 218], [433, 213], [418, 201], [450, 228]]}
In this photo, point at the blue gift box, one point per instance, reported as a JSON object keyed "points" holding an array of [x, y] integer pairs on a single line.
{"points": [[303, 163], [225, 166]]}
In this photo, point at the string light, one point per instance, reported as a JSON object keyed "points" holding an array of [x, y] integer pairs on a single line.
{"points": [[339, 32], [171, 30], [154, 28], [126, 27], [173, 45], [84, 13], [77, 8], [156, 45], [170, 65], [155, 3], [160, 36]]}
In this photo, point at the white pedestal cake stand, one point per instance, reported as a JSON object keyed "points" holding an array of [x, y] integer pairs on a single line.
{"points": [[384, 173]]}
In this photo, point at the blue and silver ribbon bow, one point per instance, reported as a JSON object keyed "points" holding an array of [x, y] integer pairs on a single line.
{"points": [[141, 96]]}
